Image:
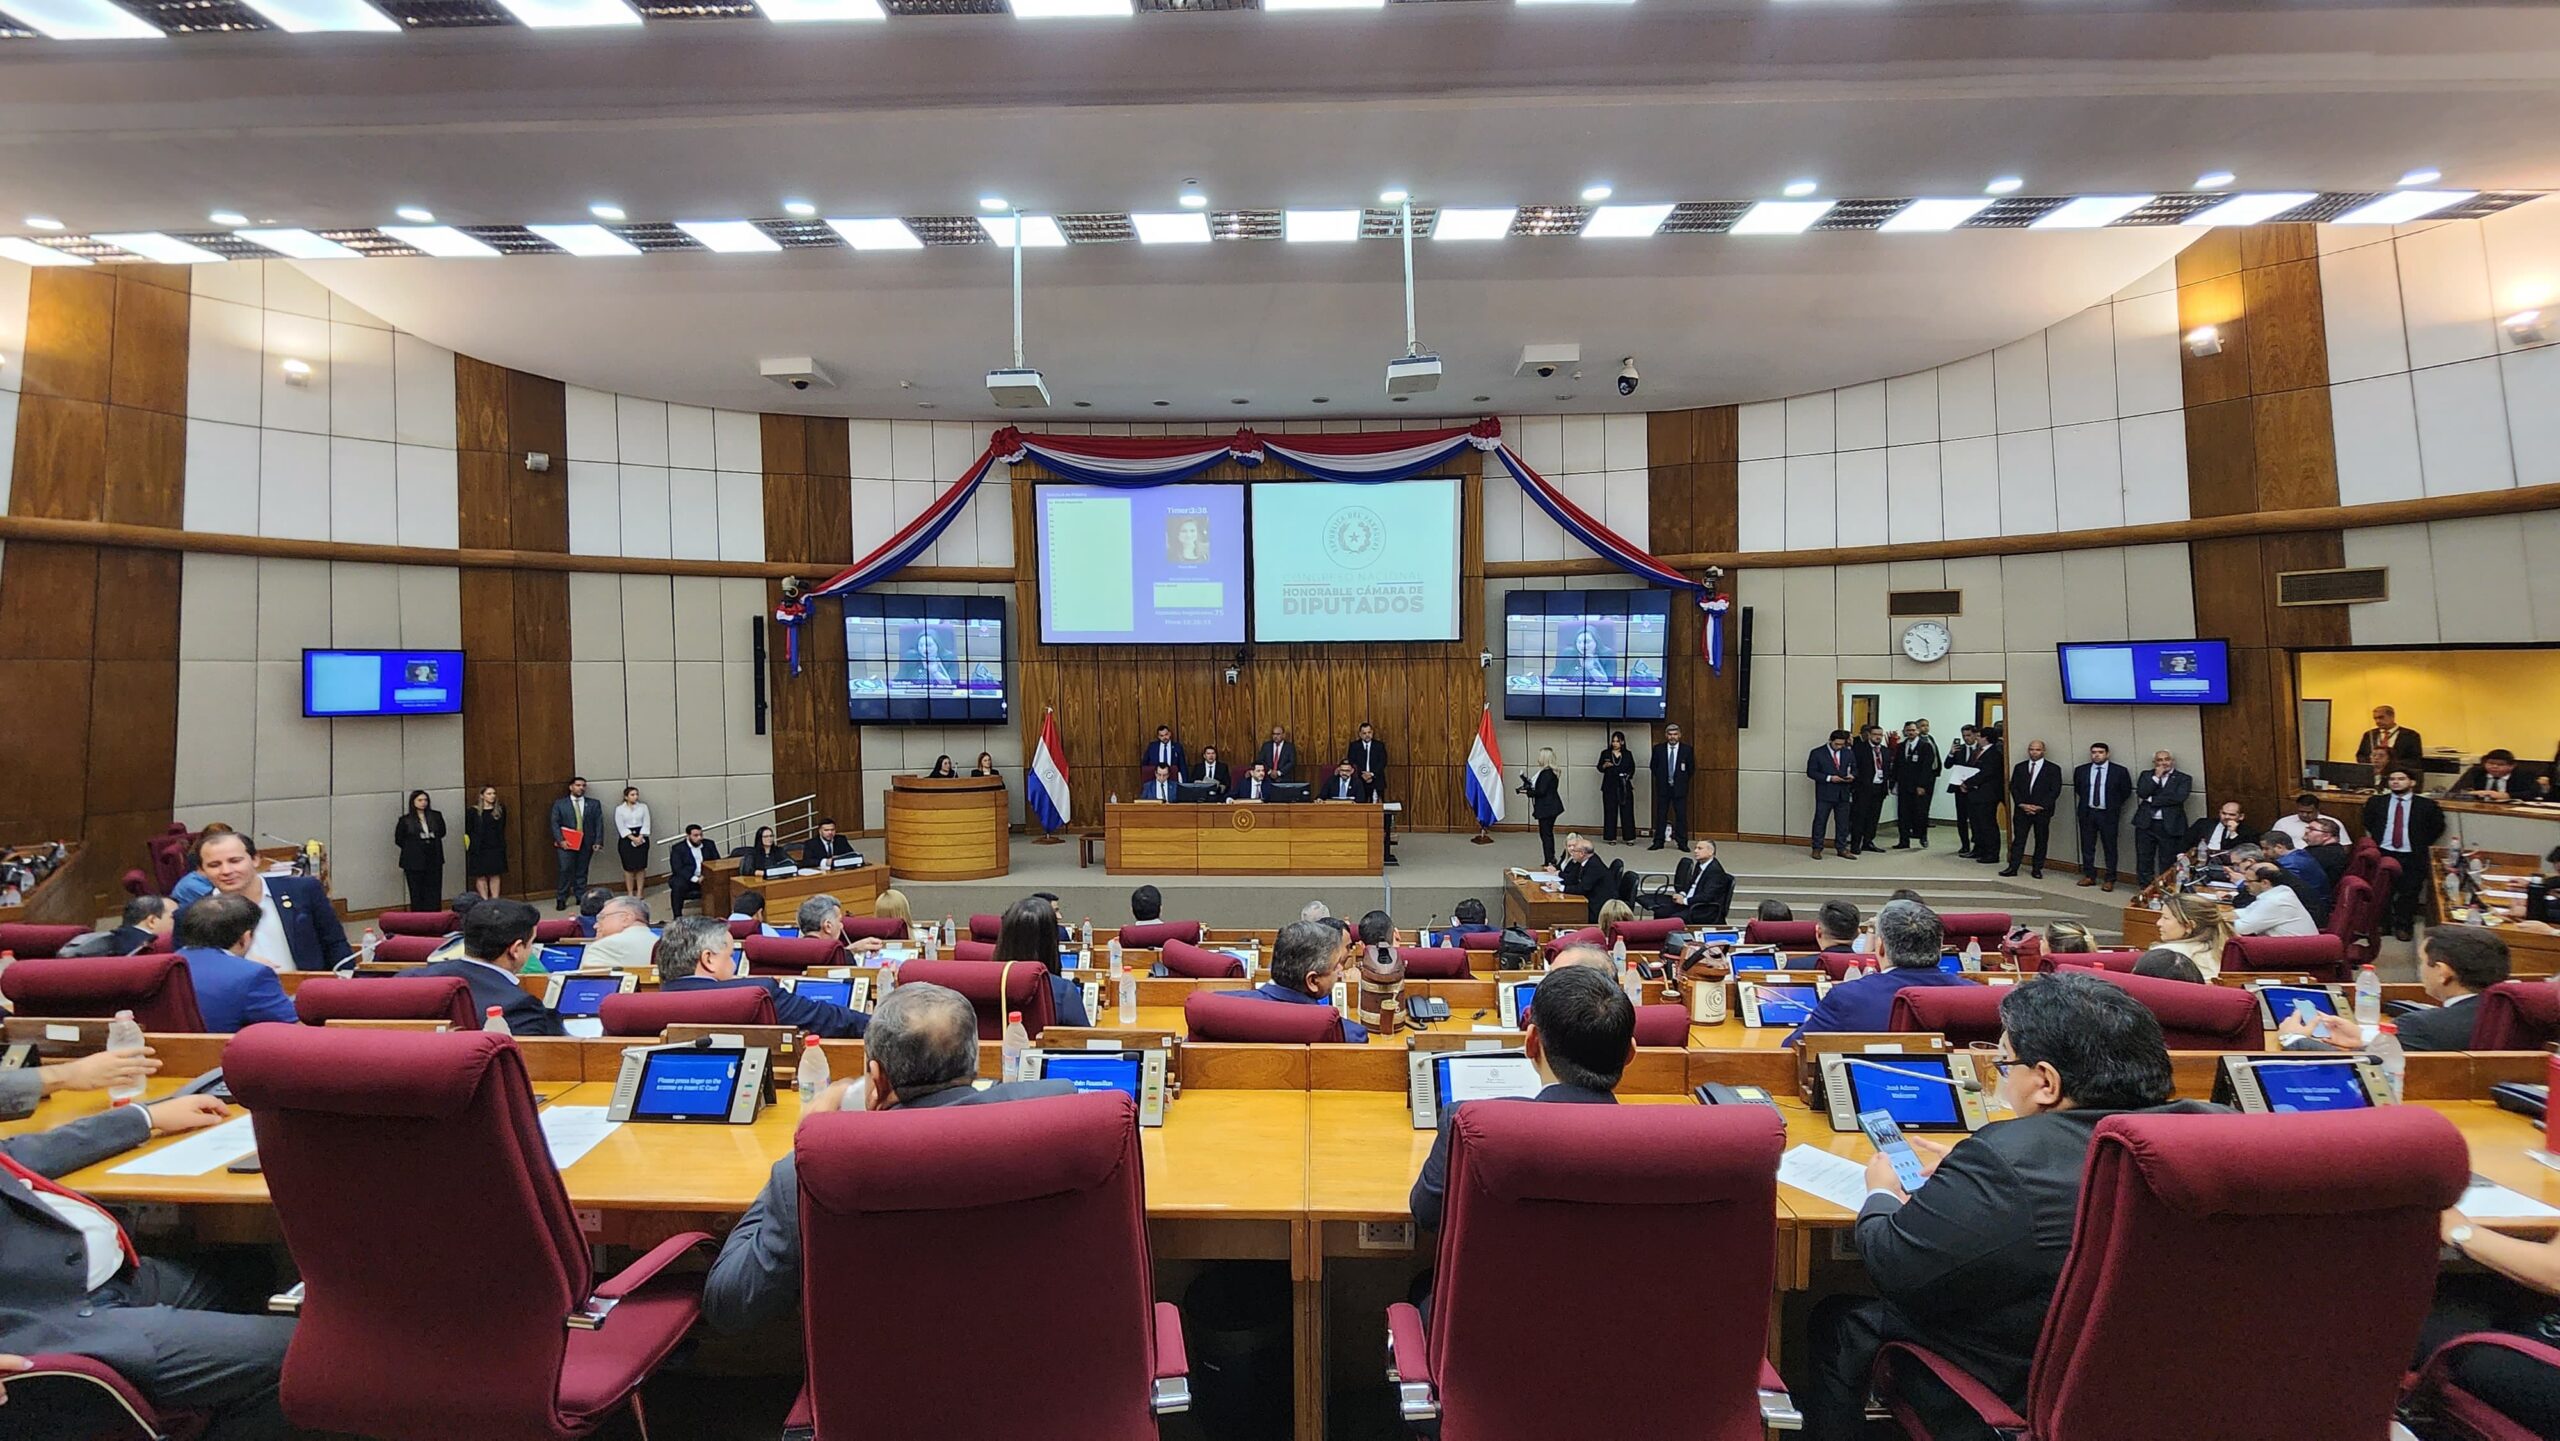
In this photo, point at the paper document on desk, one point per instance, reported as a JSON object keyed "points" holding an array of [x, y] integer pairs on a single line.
{"points": [[572, 1131], [1836, 1179], [2486, 1200], [196, 1154]]}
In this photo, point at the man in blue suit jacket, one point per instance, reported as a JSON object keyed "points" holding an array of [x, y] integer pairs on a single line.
{"points": [[698, 954], [298, 928], [1165, 751], [497, 940], [1912, 940], [232, 991], [1581, 1037], [1834, 773], [1304, 961]]}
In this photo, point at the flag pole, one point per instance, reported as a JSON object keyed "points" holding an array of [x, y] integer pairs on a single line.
{"points": [[1484, 832]]}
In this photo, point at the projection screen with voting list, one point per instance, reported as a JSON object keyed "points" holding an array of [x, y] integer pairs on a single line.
{"points": [[1161, 564], [1355, 562]]}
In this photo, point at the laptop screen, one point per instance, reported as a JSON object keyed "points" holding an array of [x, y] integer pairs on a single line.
{"points": [[1753, 961]]}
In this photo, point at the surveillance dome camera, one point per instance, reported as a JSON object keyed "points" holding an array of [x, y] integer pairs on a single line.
{"points": [[1628, 380], [1545, 371], [802, 383]]}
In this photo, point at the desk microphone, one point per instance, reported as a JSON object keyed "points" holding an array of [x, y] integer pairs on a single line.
{"points": [[1966, 1084]]}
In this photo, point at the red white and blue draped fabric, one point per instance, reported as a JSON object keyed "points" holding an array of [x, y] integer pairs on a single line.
{"points": [[1140, 461], [1046, 792]]}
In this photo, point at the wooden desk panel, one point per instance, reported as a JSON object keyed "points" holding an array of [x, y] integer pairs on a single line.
{"points": [[1316, 839], [948, 830], [1525, 903], [858, 887]]}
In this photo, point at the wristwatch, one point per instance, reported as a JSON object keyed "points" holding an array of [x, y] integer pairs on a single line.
{"points": [[2459, 1237]]}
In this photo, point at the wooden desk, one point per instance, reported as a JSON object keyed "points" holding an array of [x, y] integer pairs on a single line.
{"points": [[1320, 838], [954, 829], [56, 900], [1526, 903], [2532, 946], [859, 888]]}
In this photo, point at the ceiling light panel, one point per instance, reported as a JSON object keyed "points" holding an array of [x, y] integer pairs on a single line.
{"points": [[2089, 212], [1473, 223], [27, 252], [1319, 227], [1780, 217], [1277, 5], [729, 237], [1624, 222], [80, 20], [311, 17], [2403, 205], [1936, 214], [789, 12], [299, 244], [586, 240], [1178, 227], [1040, 232], [1069, 9], [2251, 209], [570, 14], [167, 249], [439, 240], [881, 234]]}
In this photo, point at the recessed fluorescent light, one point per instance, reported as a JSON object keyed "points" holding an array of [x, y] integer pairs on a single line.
{"points": [[1577, 2], [785, 12], [1936, 214], [2424, 175], [1069, 9], [300, 244], [801, 208], [2089, 212], [1318, 227], [416, 214], [80, 20], [310, 17], [2403, 205], [1179, 227], [439, 240], [729, 237], [167, 249], [1798, 189], [1040, 232], [1192, 196], [43, 222], [2004, 185], [27, 252], [1624, 222], [1473, 224], [996, 203], [2214, 179], [2250, 209], [1594, 194], [568, 14], [1781, 217], [602, 211], [590, 240], [876, 234], [1324, 4], [228, 217], [1394, 195]]}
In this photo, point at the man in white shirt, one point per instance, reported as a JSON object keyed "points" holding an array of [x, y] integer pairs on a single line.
{"points": [[2306, 809], [291, 909], [622, 935], [2273, 908]]}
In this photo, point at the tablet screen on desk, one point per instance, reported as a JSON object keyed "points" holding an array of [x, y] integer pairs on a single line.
{"points": [[584, 995], [1787, 1006], [2310, 1086], [1924, 1100], [1753, 961], [2280, 1000], [686, 1086], [1101, 1071], [834, 993], [1522, 995], [1460, 1076], [1716, 938], [562, 958]]}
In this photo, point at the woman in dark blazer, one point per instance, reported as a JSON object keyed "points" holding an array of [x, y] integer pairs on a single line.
{"points": [[484, 843], [764, 853], [420, 836], [1617, 768], [943, 770], [1546, 801], [986, 765]]}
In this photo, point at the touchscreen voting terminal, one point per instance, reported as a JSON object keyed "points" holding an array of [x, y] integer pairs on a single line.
{"points": [[1758, 958], [832, 990], [1715, 937], [1139, 1075], [1515, 997], [582, 993], [1438, 1080], [563, 958], [2290, 1083], [2276, 1001], [690, 1082], [1921, 1090], [1777, 1005]]}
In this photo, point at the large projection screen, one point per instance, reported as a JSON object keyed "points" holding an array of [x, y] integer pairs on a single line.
{"points": [[1355, 562]]}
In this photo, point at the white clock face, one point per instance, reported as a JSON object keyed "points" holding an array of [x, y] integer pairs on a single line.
{"points": [[1927, 640]]}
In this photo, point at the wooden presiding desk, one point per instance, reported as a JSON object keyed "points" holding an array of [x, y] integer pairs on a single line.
{"points": [[1527, 903], [948, 829], [859, 887], [1244, 838]]}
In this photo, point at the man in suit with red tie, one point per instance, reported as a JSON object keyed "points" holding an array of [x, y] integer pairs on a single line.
{"points": [[2406, 825], [1833, 772], [2034, 785], [1279, 755], [1872, 759]]}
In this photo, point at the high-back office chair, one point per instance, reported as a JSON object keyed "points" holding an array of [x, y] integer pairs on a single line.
{"points": [[422, 923], [406, 950], [2120, 962], [1480, 941], [31, 942], [2516, 1016], [743, 930], [867, 928], [1146, 935], [1434, 963], [1525, 1180], [649, 1013], [1963, 1014], [792, 955], [553, 932], [79, 1397], [323, 999], [165, 857], [2322, 957], [1643, 935], [1988, 927], [1181, 958], [1661, 1025], [2355, 916], [447, 1286], [1243, 1016], [2193, 1017], [974, 951], [1587, 936], [2192, 1236], [1838, 964], [994, 987], [1785, 935], [2437, 1390], [904, 1203], [985, 928], [157, 989]]}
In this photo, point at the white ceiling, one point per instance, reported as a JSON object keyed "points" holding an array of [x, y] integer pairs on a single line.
{"points": [[1466, 103]]}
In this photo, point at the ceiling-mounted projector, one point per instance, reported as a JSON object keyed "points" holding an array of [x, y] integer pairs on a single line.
{"points": [[1020, 389], [1413, 374]]}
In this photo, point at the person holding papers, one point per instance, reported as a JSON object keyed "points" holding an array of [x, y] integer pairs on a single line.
{"points": [[577, 829], [1211, 772], [1912, 939], [1581, 1035]]}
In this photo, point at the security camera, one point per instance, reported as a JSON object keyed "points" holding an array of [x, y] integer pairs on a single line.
{"points": [[1484, 659], [801, 382], [1546, 372], [799, 372], [1231, 675], [1628, 380]]}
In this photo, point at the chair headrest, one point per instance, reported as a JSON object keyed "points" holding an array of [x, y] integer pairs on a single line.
{"points": [[1143, 935], [1243, 1016], [1643, 935], [1987, 924], [32, 941], [1587, 936], [793, 953], [1480, 941], [2283, 953], [365, 1073], [1618, 1155], [647, 1013], [405, 948], [1937, 1008], [1788, 935], [417, 923], [90, 986], [1662, 1025], [978, 979], [553, 932], [960, 1157], [973, 951], [884, 928], [2288, 1165], [2536, 1000], [985, 928], [1181, 958], [2225, 1011], [1434, 963], [385, 998]]}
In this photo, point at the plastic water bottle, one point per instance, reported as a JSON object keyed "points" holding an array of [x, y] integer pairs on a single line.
{"points": [[813, 1075], [2186, 872], [889, 976], [1016, 1042], [933, 945], [495, 1022], [1128, 987], [1973, 953], [2395, 1061], [1084, 935], [1618, 953], [950, 931], [1118, 966], [372, 938], [124, 1037], [1630, 982], [2368, 998]]}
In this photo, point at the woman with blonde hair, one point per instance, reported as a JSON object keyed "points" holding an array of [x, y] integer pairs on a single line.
{"points": [[1546, 801], [2196, 928], [2068, 938], [1612, 912], [893, 902]]}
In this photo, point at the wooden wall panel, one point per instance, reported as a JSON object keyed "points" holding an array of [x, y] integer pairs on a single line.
{"points": [[1693, 502], [130, 625], [48, 602], [542, 616], [61, 468], [147, 369], [486, 514], [146, 461], [808, 518], [70, 348]]}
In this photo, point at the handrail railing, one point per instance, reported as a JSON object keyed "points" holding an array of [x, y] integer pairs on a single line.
{"points": [[737, 830]]}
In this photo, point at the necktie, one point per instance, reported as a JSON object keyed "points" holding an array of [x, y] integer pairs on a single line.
{"points": [[2400, 824], [2097, 787], [45, 1184], [2498, 783], [1836, 773]]}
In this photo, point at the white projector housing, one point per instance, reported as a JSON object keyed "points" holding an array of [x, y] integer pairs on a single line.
{"points": [[1413, 374], [1018, 389]]}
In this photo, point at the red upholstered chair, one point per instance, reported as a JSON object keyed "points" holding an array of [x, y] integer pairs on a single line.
{"points": [[160, 945], [552, 933], [1785, 935], [1587, 936], [1181, 958], [1024, 986], [430, 923], [741, 930], [138, 883], [2364, 859], [2237, 1208], [77, 1397], [2322, 957], [436, 1243], [2355, 915], [1643, 935], [165, 856], [883, 928], [1988, 927], [791, 955], [1480, 941], [973, 951], [1525, 1181], [2435, 1392], [1836, 964], [1243, 1016], [30, 942], [322, 999], [2196, 1018], [1146, 935], [1662, 1025], [2516, 1016], [2120, 962], [406, 949], [157, 989], [1963, 1014], [1434, 963], [649, 1013], [904, 1203], [985, 928]]}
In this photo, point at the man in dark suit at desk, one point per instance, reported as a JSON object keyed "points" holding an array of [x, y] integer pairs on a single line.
{"points": [[1345, 785], [1873, 756], [1255, 786], [920, 1053], [1159, 785], [686, 861], [1581, 1035], [1584, 874], [1915, 785], [577, 811], [1966, 1266], [1279, 755], [2456, 965], [2398, 741], [145, 919], [1833, 771], [2102, 787], [1164, 750], [1912, 939], [2407, 826], [1211, 771], [826, 847], [1701, 889], [2227, 827], [698, 954], [298, 928], [1673, 765], [2159, 815], [497, 939], [2496, 778], [1306, 958]]}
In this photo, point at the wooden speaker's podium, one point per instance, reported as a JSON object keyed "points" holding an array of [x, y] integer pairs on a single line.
{"points": [[953, 829]]}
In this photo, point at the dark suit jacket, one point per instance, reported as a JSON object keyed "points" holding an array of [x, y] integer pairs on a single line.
{"points": [[2404, 747], [311, 927], [1217, 771], [1280, 761], [2442, 1028], [126, 941], [753, 861], [2333, 862], [681, 871], [1983, 790], [491, 986], [1670, 779], [1369, 756], [757, 1276], [1866, 1004], [420, 853], [1149, 790], [2119, 788], [1584, 878], [586, 813], [44, 1304], [816, 852], [1546, 802], [2045, 792], [2521, 782], [1246, 788], [1920, 773], [1330, 789], [1148, 755], [1431, 1188], [1714, 895], [2426, 821], [1618, 771], [2162, 804], [234, 991], [2203, 827], [813, 1017], [1865, 761], [1820, 765], [1967, 1266]]}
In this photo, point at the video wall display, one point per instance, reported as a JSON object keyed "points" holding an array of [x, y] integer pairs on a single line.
{"points": [[1584, 654], [918, 659]]}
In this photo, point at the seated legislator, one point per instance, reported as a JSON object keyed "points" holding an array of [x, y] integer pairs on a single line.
{"points": [[687, 858], [2196, 928], [1254, 787], [2306, 809], [749, 906], [1912, 939], [1966, 1265], [298, 928], [145, 919], [1029, 932], [22, 1087], [922, 1051], [1581, 1035], [2167, 965], [823, 916], [75, 1284], [1211, 772], [2455, 965], [622, 935], [1344, 785], [2303, 872], [698, 954], [1146, 904], [2323, 846], [2495, 779], [1304, 963], [2225, 829], [1159, 785], [2274, 907], [764, 853], [497, 940], [1701, 889], [1469, 918], [826, 846], [1583, 873], [231, 990], [1835, 928]]}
